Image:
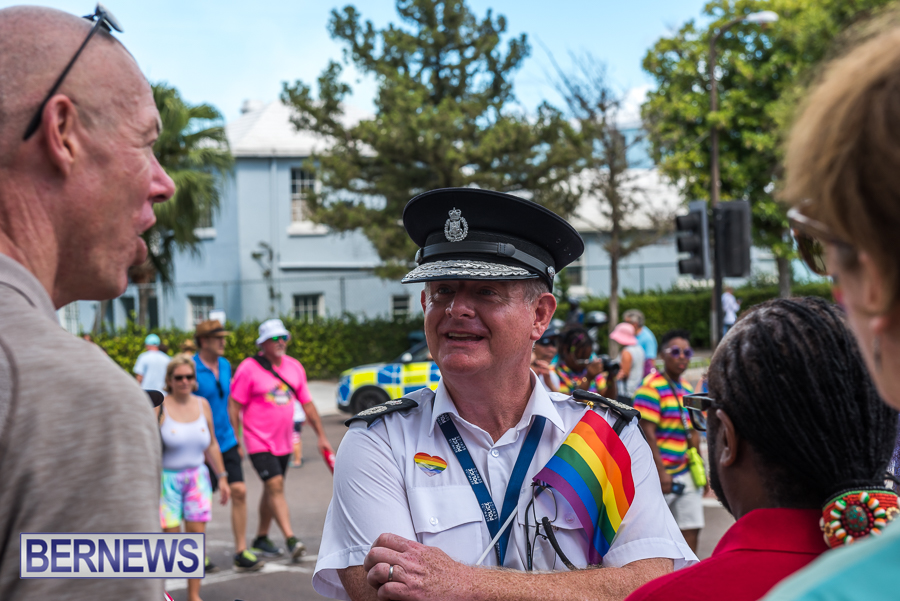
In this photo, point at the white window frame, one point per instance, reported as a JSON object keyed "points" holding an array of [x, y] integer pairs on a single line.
{"points": [[317, 304], [196, 308], [401, 312], [301, 182]]}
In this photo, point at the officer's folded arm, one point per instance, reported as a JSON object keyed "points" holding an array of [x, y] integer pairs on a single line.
{"points": [[427, 573]]}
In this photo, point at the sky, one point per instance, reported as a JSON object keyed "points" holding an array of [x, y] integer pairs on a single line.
{"points": [[225, 52]]}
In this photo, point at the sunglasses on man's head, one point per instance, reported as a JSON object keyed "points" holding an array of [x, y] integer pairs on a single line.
{"points": [[103, 18], [180, 378], [677, 352], [279, 338]]}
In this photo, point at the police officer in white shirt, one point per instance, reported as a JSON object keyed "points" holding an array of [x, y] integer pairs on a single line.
{"points": [[427, 486]]}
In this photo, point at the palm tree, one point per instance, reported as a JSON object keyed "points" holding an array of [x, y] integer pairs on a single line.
{"points": [[193, 150]]}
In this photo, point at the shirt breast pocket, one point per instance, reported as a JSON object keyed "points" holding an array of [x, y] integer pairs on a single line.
{"points": [[448, 517]]}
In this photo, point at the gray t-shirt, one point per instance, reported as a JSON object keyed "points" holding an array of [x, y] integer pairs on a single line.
{"points": [[79, 445], [151, 365]]}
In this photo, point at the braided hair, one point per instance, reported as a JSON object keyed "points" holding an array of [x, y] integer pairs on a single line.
{"points": [[790, 376]]}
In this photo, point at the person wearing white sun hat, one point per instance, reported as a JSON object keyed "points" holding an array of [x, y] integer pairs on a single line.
{"points": [[262, 393]]}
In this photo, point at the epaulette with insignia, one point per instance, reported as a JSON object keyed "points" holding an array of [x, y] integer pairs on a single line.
{"points": [[625, 413], [378, 411]]}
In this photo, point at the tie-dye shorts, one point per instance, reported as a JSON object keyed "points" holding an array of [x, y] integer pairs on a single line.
{"points": [[186, 494]]}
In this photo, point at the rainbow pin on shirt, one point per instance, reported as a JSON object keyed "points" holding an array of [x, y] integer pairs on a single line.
{"points": [[432, 466]]}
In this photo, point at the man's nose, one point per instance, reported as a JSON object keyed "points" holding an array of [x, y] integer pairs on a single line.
{"points": [[162, 187], [461, 305]]}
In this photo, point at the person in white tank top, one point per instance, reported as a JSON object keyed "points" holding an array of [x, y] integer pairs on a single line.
{"points": [[186, 427]]}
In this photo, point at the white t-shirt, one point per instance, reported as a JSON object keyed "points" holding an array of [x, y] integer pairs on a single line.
{"points": [[730, 307], [151, 365], [379, 487]]}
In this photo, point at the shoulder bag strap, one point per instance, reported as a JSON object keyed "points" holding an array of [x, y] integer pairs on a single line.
{"points": [[267, 365]]}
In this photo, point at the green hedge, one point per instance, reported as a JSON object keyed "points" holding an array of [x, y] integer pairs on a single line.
{"points": [[664, 311], [325, 347]]}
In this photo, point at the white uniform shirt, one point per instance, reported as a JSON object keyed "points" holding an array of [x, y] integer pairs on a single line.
{"points": [[378, 488]]}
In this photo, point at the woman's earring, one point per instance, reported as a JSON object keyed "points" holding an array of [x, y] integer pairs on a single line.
{"points": [[876, 352]]}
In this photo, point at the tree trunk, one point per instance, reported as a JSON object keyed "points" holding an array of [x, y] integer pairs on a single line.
{"points": [[143, 275], [784, 276]]}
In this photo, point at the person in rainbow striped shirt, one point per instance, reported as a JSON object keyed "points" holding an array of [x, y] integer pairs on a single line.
{"points": [[665, 423]]}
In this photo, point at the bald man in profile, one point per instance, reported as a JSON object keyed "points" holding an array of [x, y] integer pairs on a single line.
{"points": [[79, 445]]}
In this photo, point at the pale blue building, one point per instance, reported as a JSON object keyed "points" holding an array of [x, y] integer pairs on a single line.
{"points": [[261, 257]]}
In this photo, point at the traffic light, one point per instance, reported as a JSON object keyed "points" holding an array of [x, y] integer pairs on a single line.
{"points": [[693, 238], [733, 232]]}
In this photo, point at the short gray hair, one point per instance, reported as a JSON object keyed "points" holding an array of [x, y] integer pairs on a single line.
{"points": [[634, 315]]}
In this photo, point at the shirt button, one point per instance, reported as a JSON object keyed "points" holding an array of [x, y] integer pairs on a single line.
{"points": [[495, 453], [434, 521], [570, 519]]}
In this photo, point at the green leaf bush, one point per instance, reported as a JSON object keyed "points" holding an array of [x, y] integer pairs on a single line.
{"points": [[325, 347], [664, 311]]}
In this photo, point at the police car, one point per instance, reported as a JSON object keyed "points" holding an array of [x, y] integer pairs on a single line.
{"points": [[368, 385]]}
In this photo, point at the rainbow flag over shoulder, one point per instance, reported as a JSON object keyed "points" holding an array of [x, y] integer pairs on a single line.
{"points": [[592, 471]]}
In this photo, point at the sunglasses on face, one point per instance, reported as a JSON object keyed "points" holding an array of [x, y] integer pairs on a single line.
{"points": [[102, 18], [697, 405], [811, 237], [279, 338], [677, 352], [547, 342], [189, 378]]}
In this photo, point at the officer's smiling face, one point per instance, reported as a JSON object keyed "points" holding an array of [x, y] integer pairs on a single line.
{"points": [[477, 326]]}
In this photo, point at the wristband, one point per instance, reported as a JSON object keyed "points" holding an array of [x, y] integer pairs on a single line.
{"points": [[222, 475]]}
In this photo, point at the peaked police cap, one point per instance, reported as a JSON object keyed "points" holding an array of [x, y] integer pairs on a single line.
{"points": [[473, 234]]}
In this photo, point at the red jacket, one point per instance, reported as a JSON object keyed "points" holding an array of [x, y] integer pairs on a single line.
{"points": [[758, 551]]}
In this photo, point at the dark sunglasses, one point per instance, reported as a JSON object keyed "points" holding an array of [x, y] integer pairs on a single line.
{"points": [[551, 341], [811, 237], [281, 338], [103, 18], [676, 352], [183, 378], [697, 406]]}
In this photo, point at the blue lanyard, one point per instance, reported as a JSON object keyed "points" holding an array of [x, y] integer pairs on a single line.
{"points": [[511, 499]]}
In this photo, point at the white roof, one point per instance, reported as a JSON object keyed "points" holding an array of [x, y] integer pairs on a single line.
{"points": [[659, 201], [265, 130]]}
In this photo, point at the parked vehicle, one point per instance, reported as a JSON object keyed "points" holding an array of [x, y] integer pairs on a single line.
{"points": [[368, 385]]}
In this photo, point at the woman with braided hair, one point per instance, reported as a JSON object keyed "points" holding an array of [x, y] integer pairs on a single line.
{"points": [[794, 425]]}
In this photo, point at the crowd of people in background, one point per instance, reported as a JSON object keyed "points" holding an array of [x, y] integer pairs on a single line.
{"points": [[209, 421]]}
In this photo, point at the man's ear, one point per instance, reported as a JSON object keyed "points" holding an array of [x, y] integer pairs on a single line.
{"points": [[59, 127], [423, 299], [544, 308], [727, 440]]}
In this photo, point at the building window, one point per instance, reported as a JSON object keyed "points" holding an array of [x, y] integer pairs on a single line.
{"points": [[199, 308], [205, 219], [70, 318], [306, 306], [575, 272], [400, 306], [302, 183]]}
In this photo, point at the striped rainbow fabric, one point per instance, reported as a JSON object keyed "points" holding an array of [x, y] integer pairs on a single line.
{"points": [[592, 471]]}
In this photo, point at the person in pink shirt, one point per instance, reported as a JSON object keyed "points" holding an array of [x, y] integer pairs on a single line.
{"points": [[262, 395]]}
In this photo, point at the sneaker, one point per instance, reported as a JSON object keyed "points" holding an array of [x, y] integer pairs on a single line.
{"points": [[263, 546], [295, 547], [245, 561], [210, 567]]}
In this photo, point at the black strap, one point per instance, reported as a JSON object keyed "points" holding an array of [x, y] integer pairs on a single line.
{"points": [[624, 412], [267, 365]]}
